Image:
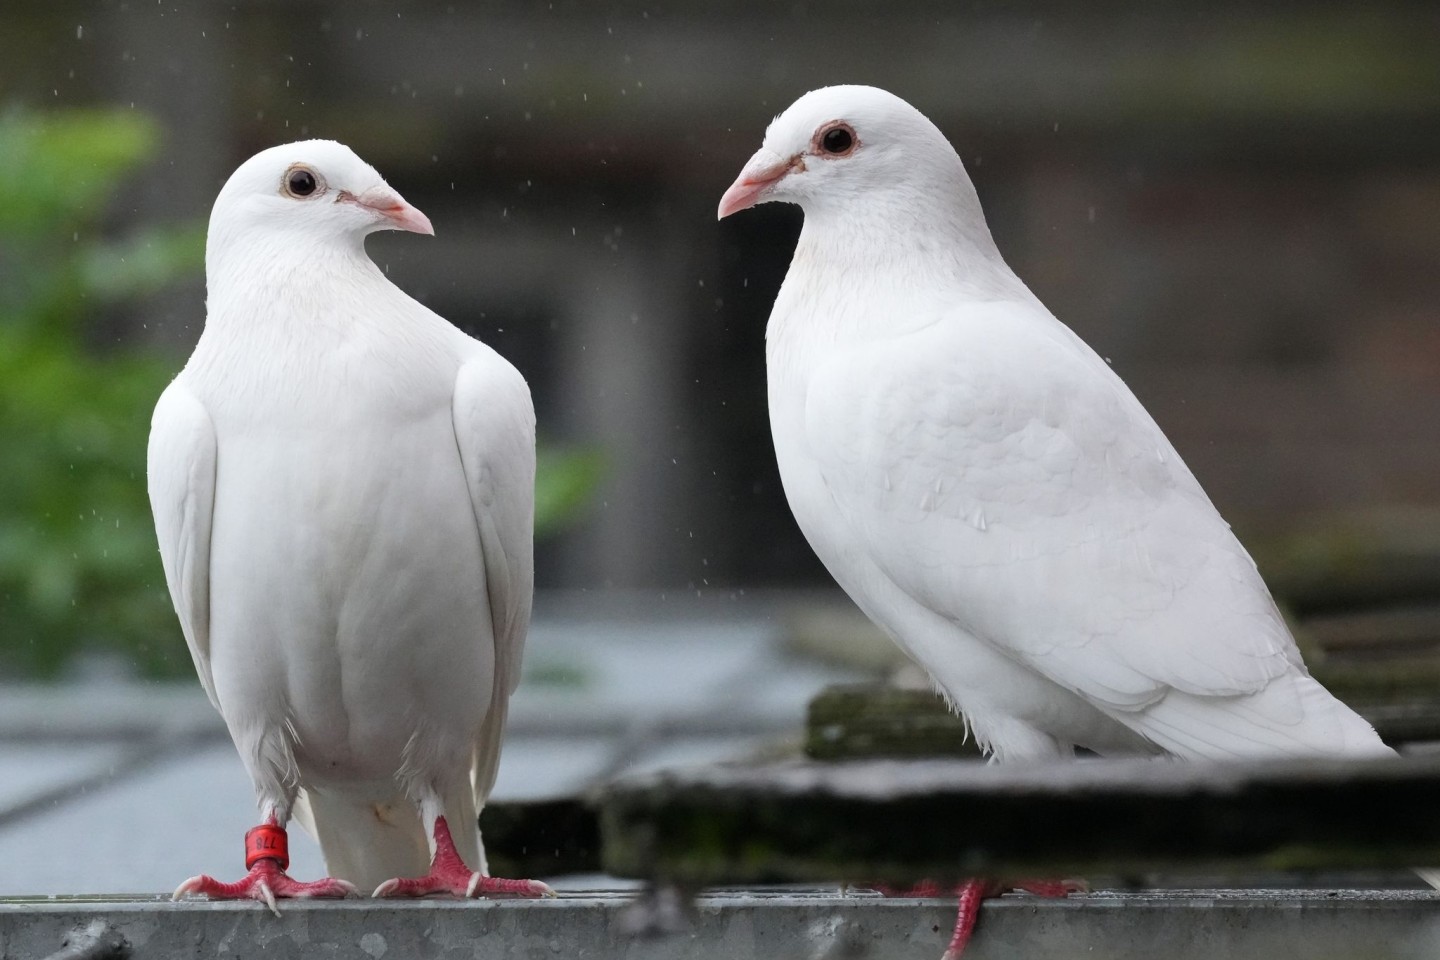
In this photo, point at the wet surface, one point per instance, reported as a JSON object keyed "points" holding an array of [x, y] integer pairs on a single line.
{"points": [[132, 787]]}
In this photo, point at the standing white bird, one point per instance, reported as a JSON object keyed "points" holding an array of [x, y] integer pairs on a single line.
{"points": [[986, 488], [343, 491]]}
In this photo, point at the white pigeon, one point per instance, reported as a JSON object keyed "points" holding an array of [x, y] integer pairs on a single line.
{"points": [[343, 491], [986, 488]]}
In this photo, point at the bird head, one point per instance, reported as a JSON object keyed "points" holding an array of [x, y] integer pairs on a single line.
{"points": [[842, 146], [315, 189]]}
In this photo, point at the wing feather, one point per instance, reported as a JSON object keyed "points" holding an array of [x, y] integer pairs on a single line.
{"points": [[181, 475], [495, 432], [999, 473]]}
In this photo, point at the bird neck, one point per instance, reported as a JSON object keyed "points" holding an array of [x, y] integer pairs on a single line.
{"points": [[270, 278], [883, 268], [931, 228]]}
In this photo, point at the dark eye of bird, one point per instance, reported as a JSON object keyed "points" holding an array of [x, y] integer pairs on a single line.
{"points": [[837, 140], [300, 183]]}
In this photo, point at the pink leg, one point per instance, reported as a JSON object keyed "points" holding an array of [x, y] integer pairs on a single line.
{"points": [[973, 893], [266, 858], [449, 874]]}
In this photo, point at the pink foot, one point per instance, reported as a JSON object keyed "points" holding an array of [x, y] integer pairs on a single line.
{"points": [[266, 882], [448, 874], [1052, 888], [267, 854], [923, 889]]}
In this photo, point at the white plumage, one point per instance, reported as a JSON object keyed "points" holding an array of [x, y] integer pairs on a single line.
{"points": [[986, 488], [343, 491]]}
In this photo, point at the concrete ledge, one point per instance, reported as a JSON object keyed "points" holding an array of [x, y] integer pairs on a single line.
{"points": [[758, 925]]}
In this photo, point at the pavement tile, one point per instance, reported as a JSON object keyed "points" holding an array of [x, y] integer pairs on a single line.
{"points": [[28, 769], [145, 834]]}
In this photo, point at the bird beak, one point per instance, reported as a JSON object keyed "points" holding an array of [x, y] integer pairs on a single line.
{"points": [[392, 207], [759, 175]]}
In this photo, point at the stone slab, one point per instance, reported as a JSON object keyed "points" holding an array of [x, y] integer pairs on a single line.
{"points": [[802, 821], [764, 925]]}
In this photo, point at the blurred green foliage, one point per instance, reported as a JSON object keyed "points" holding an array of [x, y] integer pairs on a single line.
{"points": [[565, 483], [79, 566], [78, 562]]}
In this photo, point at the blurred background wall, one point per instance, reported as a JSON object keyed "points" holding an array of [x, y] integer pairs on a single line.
{"points": [[1238, 204]]}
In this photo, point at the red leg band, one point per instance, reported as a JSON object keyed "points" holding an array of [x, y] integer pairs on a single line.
{"points": [[267, 842]]}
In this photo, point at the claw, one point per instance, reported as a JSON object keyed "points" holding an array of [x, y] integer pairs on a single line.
{"points": [[268, 897], [189, 886], [481, 886]]}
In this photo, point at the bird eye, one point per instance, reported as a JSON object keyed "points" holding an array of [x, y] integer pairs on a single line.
{"points": [[301, 182], [837, 140]]}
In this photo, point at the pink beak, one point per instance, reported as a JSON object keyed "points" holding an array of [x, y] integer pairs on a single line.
{"points": [[393, 207], [760, 173]]}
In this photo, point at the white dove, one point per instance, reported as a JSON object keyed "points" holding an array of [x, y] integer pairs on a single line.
{"points": [[986, 488], [343, 491]]}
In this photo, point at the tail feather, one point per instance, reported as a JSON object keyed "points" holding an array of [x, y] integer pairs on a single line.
{"points": [[1430, 875], [366, 840], [484, 767], [1294, 716], [486, 763]]}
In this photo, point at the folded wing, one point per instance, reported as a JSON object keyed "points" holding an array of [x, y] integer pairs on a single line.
{"points": [[998, 472], [495, 432], [181, 474]]}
